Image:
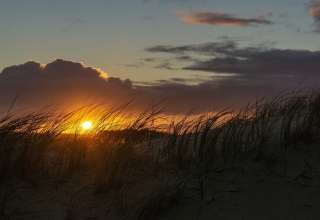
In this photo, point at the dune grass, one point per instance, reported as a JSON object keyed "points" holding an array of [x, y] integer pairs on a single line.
{"points": [[120, 157]]}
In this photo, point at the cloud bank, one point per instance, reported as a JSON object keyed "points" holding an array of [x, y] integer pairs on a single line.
{"points": [[261, 70], [65, 84], [228, 57]]}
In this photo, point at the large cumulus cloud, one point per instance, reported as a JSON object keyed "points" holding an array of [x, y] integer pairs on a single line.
{"points": [[60, 84]]}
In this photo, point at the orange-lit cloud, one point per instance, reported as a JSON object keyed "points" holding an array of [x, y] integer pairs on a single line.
{"points": [[102, 74], [314, 12], [221, 19]]}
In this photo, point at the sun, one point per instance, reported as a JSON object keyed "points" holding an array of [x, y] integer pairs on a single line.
{"points": [[86, 125]]}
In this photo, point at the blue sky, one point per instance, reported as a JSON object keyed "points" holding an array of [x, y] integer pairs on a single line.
{"points": [[110, 34]]}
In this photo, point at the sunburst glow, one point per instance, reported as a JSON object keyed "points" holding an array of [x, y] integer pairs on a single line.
{"points": [[87, 125]]}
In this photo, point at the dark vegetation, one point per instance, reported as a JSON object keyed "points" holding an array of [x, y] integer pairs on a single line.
{"points": [[143, 169]]}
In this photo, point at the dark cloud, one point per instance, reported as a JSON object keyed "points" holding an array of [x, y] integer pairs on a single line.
{"points": [[214, 95], [64, 84], [184, 58], [222, 19], [270, 62], [61, 83], [314, 12], [166, 66], [211, 48], [228, 57], [245, 72]]}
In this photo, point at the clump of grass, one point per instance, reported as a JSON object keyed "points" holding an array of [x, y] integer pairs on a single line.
{"points": [[119, 158], [22, 146]]}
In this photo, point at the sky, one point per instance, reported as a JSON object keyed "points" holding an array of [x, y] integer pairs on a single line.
{"points": [[166, 47]]}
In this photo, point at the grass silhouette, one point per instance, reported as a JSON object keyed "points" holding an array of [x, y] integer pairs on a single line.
{"points": [[143, 169]]}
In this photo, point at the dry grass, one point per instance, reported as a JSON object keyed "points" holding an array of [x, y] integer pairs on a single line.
{"points": [[35, 147]]}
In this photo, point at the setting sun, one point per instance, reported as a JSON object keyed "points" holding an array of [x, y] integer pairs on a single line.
{"points": [[87, 125]]}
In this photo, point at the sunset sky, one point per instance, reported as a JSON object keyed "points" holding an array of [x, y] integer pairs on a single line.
{"points": [[190, 52]]}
